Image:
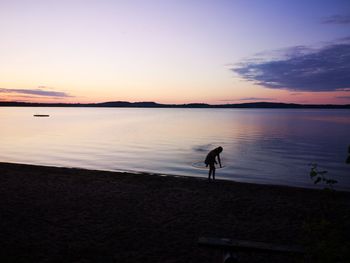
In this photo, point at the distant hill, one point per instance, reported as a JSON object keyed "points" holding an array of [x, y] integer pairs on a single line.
{"points": [[125, 104]]}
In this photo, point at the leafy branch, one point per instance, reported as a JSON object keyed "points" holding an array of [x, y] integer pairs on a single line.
{"points": [[320, 176]]}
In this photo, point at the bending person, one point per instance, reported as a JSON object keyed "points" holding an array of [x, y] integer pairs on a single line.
{"points": [[210, 161]]}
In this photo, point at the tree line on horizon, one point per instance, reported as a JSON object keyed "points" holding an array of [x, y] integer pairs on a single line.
{"points": [[189, 105]]}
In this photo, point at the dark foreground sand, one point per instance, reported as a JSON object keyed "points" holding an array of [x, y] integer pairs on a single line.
{"points": [[73, 215]]}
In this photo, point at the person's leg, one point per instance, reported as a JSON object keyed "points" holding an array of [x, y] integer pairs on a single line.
{"points": [[211, 169], [213, 173], [209, 173]]}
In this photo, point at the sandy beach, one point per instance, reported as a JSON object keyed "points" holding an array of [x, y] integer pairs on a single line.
{"points": [[51, 214]]}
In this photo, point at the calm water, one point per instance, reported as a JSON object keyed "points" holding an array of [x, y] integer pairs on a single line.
{"points": [[272, 146]]}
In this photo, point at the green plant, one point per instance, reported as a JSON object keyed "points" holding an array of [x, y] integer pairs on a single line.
{"points": [[319, 176]]}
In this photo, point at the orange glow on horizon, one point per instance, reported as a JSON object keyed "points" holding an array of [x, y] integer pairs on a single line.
{"points": [[298, 98]]}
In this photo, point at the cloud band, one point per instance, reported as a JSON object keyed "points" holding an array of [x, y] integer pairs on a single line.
{"points": [[325, 69], [37, 92]]}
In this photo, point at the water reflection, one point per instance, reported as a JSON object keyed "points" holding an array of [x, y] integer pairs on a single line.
{"points": [[265, 146]]}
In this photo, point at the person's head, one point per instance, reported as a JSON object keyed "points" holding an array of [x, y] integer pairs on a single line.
{"points": [[219, 149]]}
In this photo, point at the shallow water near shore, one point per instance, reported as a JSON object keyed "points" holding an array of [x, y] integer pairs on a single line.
{"points": [[271, 146]]}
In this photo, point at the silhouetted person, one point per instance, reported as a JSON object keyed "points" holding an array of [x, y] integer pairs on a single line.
{"points": [[210, 161]]}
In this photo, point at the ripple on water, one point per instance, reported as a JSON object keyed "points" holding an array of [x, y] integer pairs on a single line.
{"points": [[264, 146]]}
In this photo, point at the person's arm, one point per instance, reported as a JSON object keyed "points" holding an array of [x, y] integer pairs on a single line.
{"points": [[219, 160]]}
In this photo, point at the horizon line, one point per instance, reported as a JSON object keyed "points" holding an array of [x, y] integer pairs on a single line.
{"points": [[150, 104]]}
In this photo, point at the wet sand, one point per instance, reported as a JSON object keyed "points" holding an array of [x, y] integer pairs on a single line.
{"points": [[53, 214]]}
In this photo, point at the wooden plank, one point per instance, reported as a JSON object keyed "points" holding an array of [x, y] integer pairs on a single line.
{"points": [[235, 244]]}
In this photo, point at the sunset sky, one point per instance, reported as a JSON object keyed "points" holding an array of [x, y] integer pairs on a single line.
{"points": [[175, 51]]}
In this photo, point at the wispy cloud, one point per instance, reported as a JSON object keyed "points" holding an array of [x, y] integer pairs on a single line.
{"points": [[249, 99], [29, 97], [255, 98], [337, 19], [343, 97], [37, 92], [302, 69]]}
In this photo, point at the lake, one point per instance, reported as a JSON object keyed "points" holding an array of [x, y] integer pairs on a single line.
{"points": [[268, 146]]}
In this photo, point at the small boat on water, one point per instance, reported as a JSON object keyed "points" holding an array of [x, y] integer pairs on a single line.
{"points": [[41, 115]]}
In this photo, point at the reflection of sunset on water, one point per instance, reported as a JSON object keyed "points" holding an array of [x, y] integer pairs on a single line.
{"points": [[260, 145]]}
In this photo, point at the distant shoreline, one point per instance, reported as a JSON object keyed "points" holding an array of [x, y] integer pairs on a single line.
{"points": [[125, 104]]}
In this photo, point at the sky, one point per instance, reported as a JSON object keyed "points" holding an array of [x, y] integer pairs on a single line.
{"points": [[175, 51]]}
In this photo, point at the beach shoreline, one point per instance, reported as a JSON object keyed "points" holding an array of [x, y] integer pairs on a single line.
{"points": [[56, 214]]}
